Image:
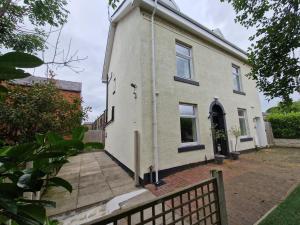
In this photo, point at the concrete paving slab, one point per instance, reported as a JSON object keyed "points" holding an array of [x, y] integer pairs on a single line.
{"points": [[95, 178], [92, 198], [64, 201], [123, 189]]}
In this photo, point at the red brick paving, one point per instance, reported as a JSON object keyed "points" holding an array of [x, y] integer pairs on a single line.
{"points": [[253, 184]]}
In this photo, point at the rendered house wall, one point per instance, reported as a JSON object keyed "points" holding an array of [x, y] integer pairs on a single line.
{"points": [[212, 69], [131, 63], [125, 67]]}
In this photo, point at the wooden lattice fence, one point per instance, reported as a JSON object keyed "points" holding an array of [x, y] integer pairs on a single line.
{"points": [[203, 203]]}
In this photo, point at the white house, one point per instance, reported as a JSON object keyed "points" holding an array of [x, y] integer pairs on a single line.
{"points": [[174, 81]]}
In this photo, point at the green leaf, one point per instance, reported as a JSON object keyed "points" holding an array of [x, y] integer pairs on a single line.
{"points": [[21, 218], [3, 89], [78, 133], [20, 59], [9, 190], [4, 150], [48, 155], [7, 73], [59, 182], [36, 212], [94, 145], [8, 204], [19, 153], [53, 138], [40, 138], [52, 222]]}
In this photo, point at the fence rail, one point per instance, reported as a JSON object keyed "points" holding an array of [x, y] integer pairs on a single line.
{"points": [[203, 203]]}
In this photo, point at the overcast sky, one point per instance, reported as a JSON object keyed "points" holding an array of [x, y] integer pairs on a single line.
{"points": [[88, 28]]}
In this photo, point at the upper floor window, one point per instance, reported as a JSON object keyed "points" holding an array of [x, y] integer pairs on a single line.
{"points": [[184, 61], [188, 124], [243, 122], [236, 75]]}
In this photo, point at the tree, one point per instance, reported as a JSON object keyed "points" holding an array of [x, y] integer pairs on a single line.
{"points": [[282, 108], [37, 109], [274, 55], [22, 23], [113, 3], [236, 132]]}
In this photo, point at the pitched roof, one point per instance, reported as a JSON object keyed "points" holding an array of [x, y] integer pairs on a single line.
{"points": [[171, 14], [60, 84]]}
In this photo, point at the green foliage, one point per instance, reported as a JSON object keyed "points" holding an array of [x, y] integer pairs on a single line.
{"points": [[283, 108], [38, 109], [220, 135], [10, 64], [287, 213], [285, 125], [22, 23], [236, 132], [94, 145], [113, 3], [32, 167], [273, 55], [19, 59]]}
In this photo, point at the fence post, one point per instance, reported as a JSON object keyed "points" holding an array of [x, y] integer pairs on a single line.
{"points": [[137, 158], [218, 174]]}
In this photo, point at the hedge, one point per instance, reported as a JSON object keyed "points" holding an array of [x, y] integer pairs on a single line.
{"points": [[285, 125]]}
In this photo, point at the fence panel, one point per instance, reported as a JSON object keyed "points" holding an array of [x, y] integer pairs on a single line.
{"points": [[197, 204]]}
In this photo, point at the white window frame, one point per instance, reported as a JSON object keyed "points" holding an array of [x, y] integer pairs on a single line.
{"points": [[195, 116], [245, 117], [187, 57], [239, 75]]}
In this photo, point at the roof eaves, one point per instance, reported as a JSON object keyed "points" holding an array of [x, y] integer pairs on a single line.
{"points": [[201, 26]]}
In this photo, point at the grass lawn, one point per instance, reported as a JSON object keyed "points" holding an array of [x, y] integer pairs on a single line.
{"points": [[287, 213]]}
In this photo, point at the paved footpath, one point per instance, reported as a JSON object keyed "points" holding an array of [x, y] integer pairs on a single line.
{"points": [[253, 184], [95, 178]]}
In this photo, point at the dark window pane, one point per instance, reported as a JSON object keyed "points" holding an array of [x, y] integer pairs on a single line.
{"points": [[188, 130], [241, 112], [243, 126]]}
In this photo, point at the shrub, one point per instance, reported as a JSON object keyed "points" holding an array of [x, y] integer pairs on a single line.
{"points": [[285, 125], [94, 145], [38, 109]]}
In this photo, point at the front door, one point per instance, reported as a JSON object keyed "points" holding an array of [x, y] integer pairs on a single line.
{"points": [[219, 132]]}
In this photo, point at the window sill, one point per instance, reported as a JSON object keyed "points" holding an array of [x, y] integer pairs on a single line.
{"points": [[239, 92], [246, 139], [190, 148], [187, 81]]}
